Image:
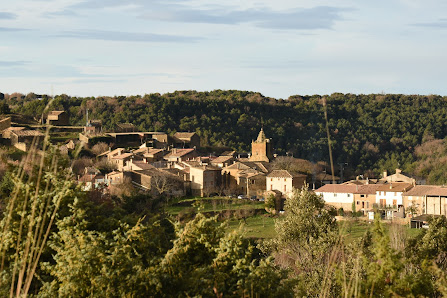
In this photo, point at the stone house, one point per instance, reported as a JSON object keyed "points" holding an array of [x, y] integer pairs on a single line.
{"points": [[5, 123], [24, 138], [186, 140], [236, 176], [120, 160], [222, 161], [205, 179], [159, 182], [58, 118], [426, 199], [179, 155], [285, 181]]}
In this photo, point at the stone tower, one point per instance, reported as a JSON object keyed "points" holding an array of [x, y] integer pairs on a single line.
{"points": [[261, 149]]}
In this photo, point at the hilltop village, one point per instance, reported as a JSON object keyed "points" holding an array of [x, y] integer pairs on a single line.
{"points": [[174, 165]]}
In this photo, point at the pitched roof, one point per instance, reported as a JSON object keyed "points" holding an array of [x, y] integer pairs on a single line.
{"points": [[228, 153], [237, 166], [337, 188], [180, 152], [368, 189], [222, 159], [427, 190], [152, 152], [198, 165], [349, 188], [285, 174], [122, 156], [184, 135], [395, 187]]}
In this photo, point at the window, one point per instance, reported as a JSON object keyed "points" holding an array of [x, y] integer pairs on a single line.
{"points": [[349, 195], [363, 204], [285, 187], [362, 196], [367, 204], [358, 203], [335, 195], [284, 179], [271, 187], [271, 179]]}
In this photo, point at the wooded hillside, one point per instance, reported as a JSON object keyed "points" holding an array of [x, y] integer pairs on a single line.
{"points": [[369, 132]]}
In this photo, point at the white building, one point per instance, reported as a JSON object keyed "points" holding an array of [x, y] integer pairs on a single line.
{"points": [[390, 194], [338, 195]]}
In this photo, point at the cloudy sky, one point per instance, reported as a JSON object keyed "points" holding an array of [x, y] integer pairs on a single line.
{"points": [[279, 48]]}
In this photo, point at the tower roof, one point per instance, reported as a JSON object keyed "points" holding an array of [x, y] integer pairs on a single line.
{"points": [[261, 136]]}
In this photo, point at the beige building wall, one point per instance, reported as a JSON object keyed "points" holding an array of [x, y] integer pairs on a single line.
{"points": [[5, 123], [417, 201], [364, 202], [203, 181], [282, 184], [436, 205]]}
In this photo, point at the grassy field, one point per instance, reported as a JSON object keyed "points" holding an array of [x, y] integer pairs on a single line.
{"points": [[261, 224], [215, 204]]}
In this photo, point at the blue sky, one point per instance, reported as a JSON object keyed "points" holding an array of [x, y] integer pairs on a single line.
{"points": [[279, 48]]}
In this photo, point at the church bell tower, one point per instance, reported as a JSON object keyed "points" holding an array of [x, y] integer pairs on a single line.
{"points": [[261, 148]]}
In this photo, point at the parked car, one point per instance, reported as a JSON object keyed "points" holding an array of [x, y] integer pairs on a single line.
{"points": [[240, 197]]}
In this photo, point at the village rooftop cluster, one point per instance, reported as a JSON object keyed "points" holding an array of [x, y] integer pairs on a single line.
{"points": [[174, 165]]}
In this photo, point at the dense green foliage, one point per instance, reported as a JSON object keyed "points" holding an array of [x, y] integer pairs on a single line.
{"points": [[383, 263], [369, 132], [103, 246]]}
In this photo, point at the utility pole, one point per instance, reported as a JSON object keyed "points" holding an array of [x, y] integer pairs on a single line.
{"points": [[328, 139]]}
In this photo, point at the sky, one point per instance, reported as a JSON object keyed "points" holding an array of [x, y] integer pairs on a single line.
{"points": [[278, 48]]}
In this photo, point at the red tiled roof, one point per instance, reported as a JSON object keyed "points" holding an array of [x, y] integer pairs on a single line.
{"points": [[338, 188], [395, 187], [349, 188], [284, 173], [427, 190]]}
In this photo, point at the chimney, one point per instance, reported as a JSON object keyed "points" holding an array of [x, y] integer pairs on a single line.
{"points": [[398, 171], [385, 174]]}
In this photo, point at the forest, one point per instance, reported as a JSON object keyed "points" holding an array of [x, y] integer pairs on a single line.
{"points": [[369, 133]]}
